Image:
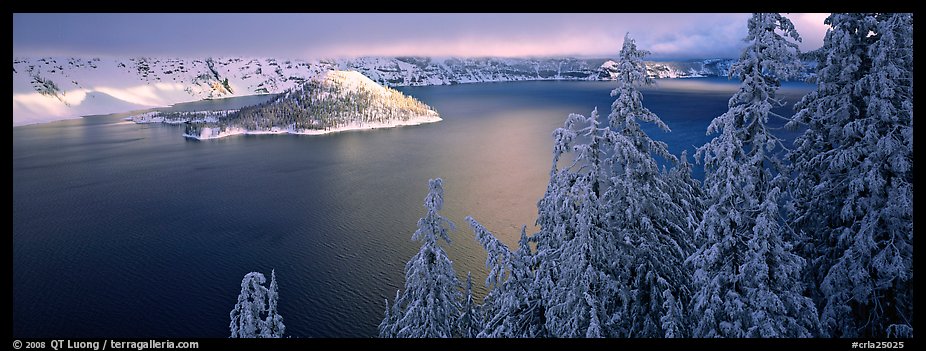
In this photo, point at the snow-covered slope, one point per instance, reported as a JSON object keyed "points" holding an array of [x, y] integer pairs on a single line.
{"points": [[53, 88], [332, 101]]}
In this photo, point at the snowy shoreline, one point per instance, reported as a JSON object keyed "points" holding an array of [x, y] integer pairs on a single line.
{"points": [[350, 127], [46, 89]]}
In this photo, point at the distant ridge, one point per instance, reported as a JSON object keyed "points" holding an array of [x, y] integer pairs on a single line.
{"points": [[53, 88]]}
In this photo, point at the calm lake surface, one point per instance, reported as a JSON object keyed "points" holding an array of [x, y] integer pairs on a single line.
{"points": [[126, 230]]}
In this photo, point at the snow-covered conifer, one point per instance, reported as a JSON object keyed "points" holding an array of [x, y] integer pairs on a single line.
{"points": [[255, 315], [469, 324], [746, 280], [513, 308], [555, 217], [387, 326], [853, 193], [574, 276], [273, 326], [651, 228], [430, 304]]}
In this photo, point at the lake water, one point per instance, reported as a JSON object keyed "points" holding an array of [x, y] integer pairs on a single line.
{"points": [[126, 230]]}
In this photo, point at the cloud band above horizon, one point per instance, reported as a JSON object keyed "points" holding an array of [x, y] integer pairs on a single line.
{"points": [[667, 36]]}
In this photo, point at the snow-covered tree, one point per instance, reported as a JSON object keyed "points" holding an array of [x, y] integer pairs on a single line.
{"points": [[649, 222], [615, 230], [842, 63], [531, 316], [512, 307], [430, 304], [469, 324], [688, 201], [245, 317], [688, 196], [255, 315], [853, 196], [556, 219], [273, 326], [387, 326], [580, 295], [746, 280]]}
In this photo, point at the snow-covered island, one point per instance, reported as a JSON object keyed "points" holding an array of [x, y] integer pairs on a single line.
{"points": [[331, 102]]}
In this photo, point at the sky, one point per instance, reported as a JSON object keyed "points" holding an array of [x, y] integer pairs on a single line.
{"points": [[306, 36]]}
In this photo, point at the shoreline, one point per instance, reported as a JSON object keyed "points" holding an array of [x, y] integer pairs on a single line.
{"points": [[146, 110], [546, 79], [33, 123], [351, 127]]}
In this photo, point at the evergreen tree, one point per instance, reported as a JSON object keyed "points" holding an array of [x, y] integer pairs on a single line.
{"points": [[746, 277], [580, 293], [842, 63], [430, 304], [387, 328], [273, 326], [255, 314], [513, 306], [853, 199], [649, 222], [531, 316], [469, 324], [688, 197], [245, 317], [555, 219]]}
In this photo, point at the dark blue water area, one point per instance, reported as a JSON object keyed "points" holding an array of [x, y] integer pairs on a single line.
{"points": [[127, 230]]}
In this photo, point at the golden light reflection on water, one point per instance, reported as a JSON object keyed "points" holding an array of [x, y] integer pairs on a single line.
{"points": [[698, 85], [507, 173]]}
